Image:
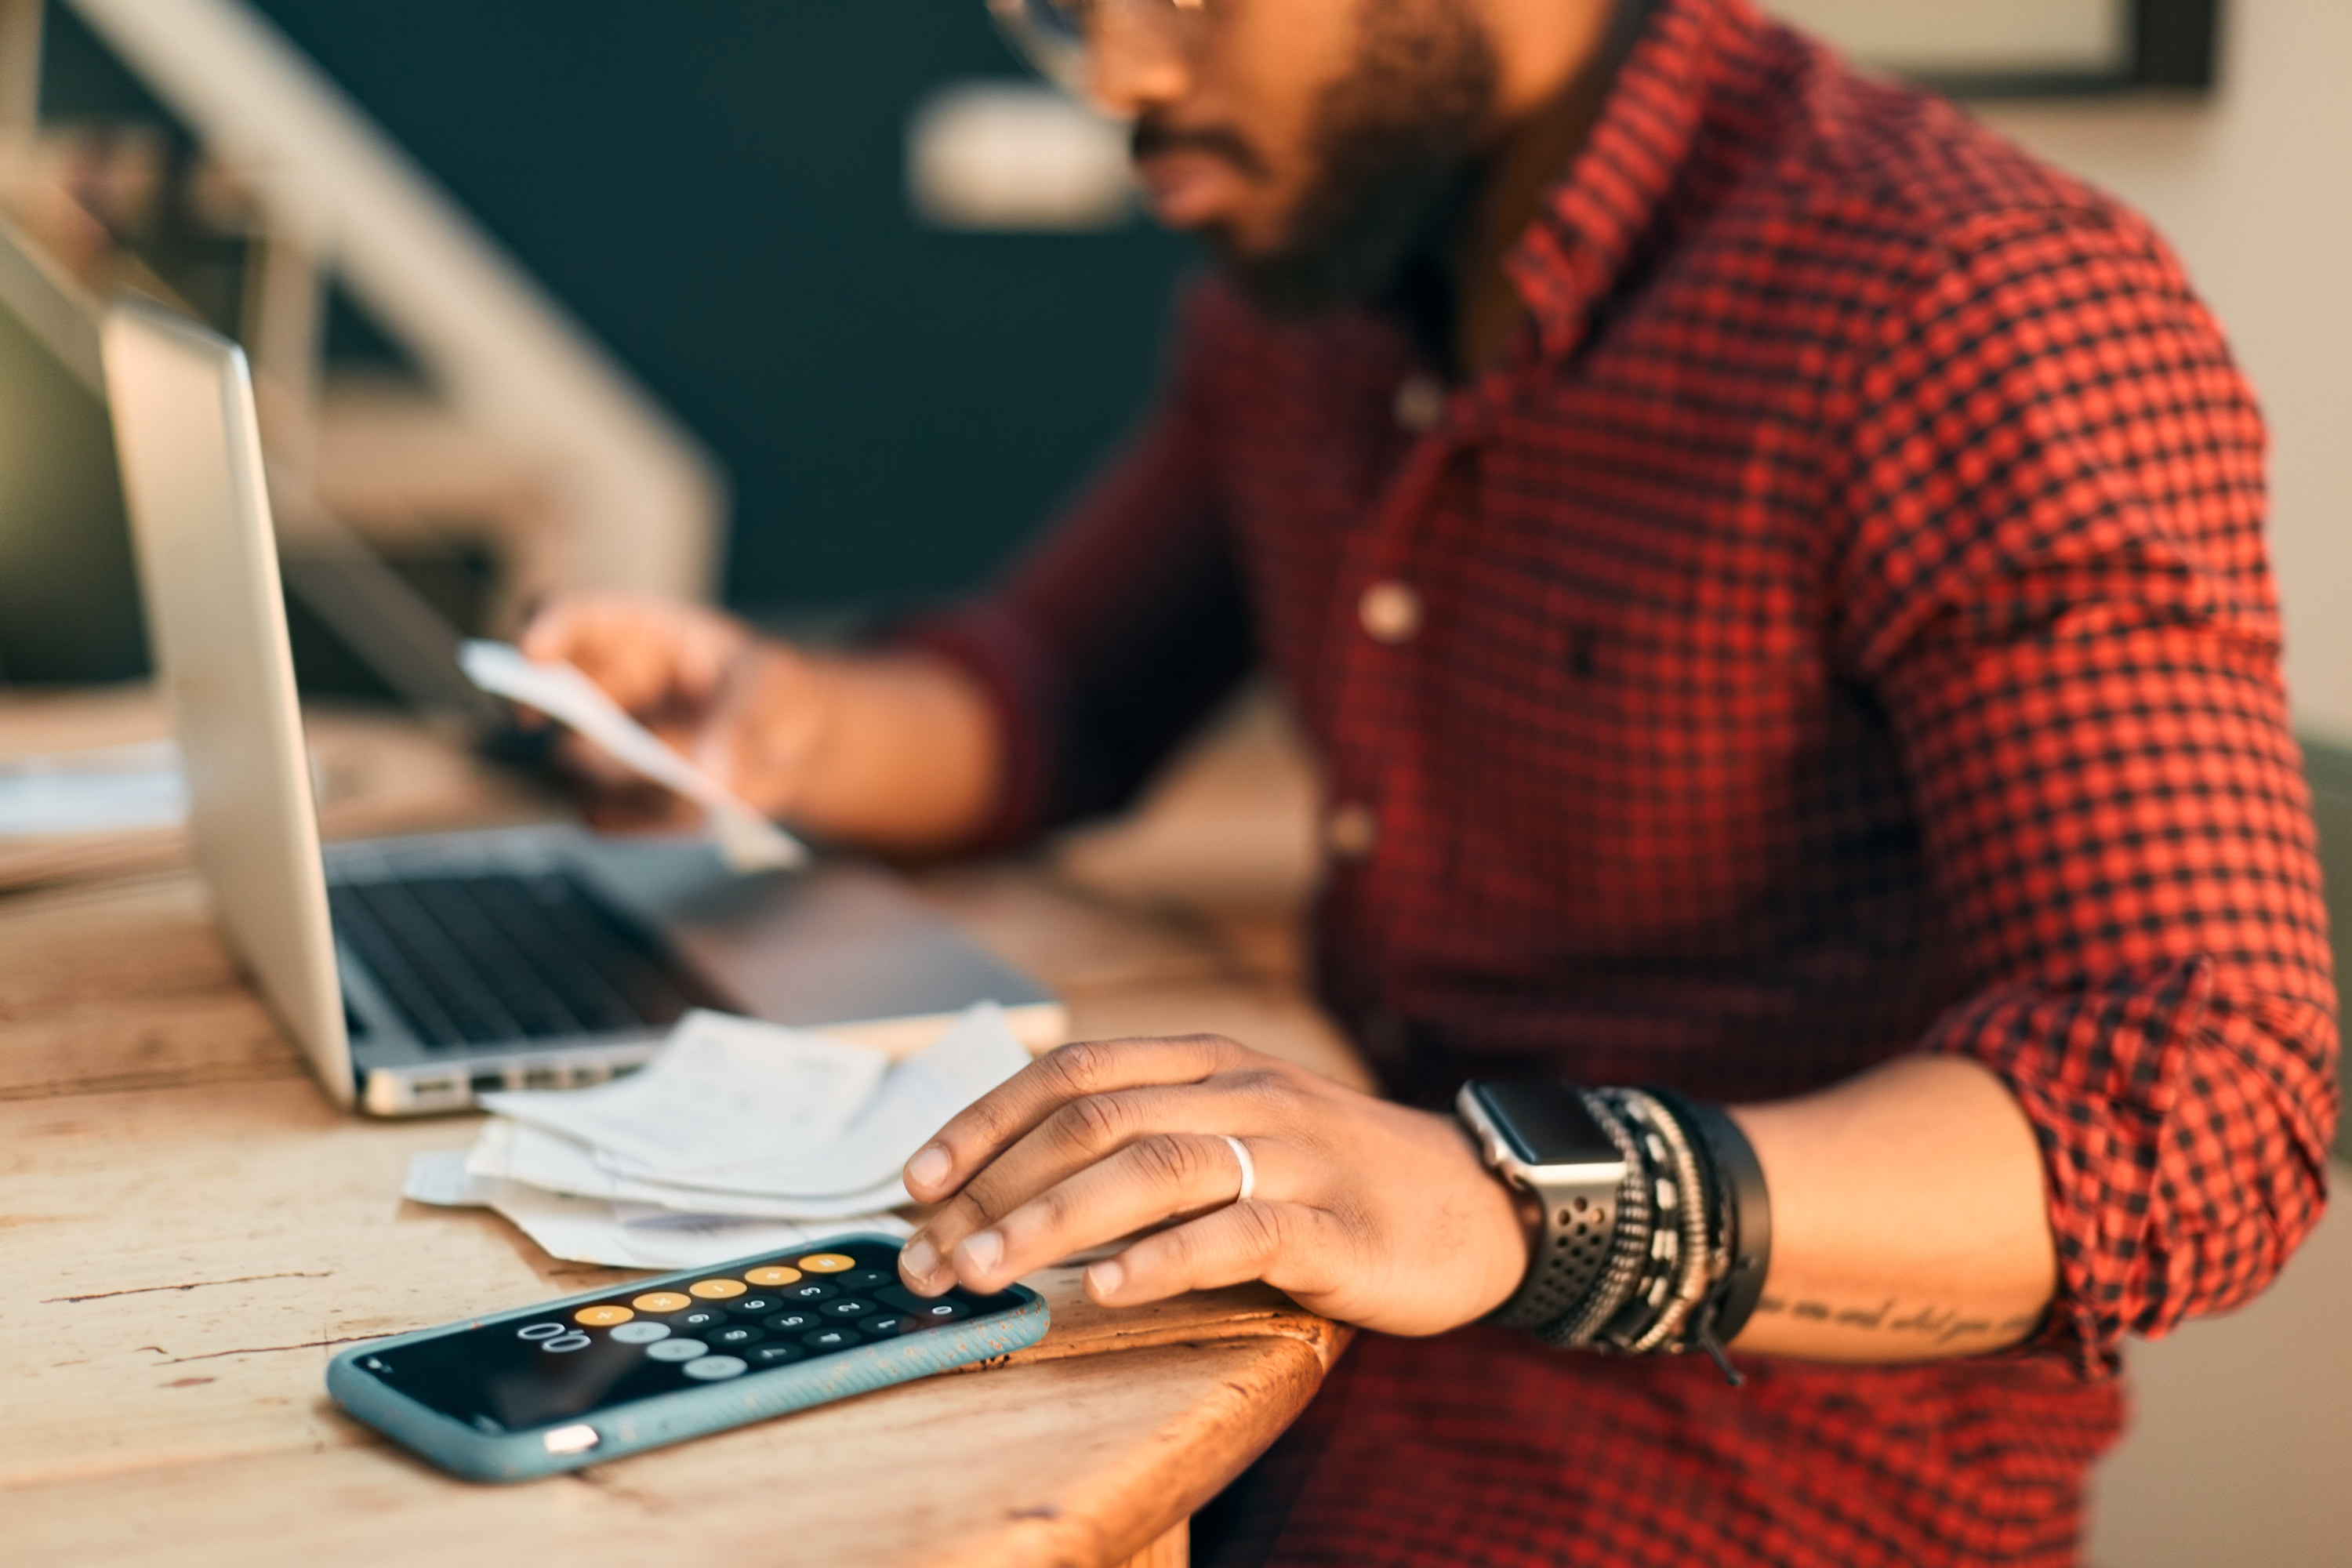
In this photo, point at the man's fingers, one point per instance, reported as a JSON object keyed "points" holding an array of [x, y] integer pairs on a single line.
{"points": [[651, 656], [1075, 1137], [1236, 1243], [1154, 1179], [1008, 1112]]}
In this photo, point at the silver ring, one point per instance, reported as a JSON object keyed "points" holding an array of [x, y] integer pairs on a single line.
{"points": [[1249, 1166]]}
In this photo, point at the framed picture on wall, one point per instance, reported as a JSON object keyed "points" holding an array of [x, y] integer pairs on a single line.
{"points": [[2017, 47]]}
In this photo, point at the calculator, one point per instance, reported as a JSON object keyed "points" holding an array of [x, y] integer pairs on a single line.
{"points": [[590, 1378]]}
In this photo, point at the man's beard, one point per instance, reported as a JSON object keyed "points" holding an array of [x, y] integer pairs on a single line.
{"points": [[1396, 146]]}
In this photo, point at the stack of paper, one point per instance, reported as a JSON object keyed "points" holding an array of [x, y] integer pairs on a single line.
{"points": [[741, 1137]]}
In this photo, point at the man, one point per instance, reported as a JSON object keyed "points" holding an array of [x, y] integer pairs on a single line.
{"points": [[1775, 582]]}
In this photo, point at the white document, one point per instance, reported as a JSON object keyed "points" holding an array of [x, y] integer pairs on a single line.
{"points": [[106, 789], [442, 1180], [617, 1236], [977, 1053], [750, 842], [517, 1152], [724, 1091]]}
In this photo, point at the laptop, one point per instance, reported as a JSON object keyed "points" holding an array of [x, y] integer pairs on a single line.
{"points": [[417, 972]]}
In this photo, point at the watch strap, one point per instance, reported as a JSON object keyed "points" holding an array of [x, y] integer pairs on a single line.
{"points": [[1579, 1229]]}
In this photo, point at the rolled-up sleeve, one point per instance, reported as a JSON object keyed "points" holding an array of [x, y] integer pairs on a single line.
{"points": [[2054, 581], [1107, 645]]}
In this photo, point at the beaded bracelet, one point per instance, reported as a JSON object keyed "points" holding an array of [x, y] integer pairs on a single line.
{"points": [[1693, 1233]]}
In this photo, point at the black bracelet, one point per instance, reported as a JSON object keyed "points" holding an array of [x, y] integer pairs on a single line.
{"points": [[1629, 1247], [1743, 1207]]}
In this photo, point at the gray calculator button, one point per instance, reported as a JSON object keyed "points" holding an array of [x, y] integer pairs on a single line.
{"points": [[641, 1333], [677, 1349], [711, 1368]]}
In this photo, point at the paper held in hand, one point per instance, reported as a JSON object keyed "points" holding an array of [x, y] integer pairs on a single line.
{"points": [[748, 840], [738, 1137]]}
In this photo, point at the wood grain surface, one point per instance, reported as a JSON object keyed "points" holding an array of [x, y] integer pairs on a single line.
{"points": [[188, 1232]]}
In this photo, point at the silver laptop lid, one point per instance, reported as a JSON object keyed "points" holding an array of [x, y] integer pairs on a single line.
{"points": [[192, 474]]}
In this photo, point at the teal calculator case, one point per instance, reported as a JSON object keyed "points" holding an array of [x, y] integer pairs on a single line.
{"points": [[666, 1418]]}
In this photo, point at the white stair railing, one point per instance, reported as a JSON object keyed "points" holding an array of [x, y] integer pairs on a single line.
{"points": [[642, 504]]}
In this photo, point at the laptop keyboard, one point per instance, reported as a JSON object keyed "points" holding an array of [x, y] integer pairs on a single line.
{"points": [[496, 957]]}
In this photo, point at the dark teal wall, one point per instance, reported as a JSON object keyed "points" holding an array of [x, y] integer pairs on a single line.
{"points": [[715, 185]]}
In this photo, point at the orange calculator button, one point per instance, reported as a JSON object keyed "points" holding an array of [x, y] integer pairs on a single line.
{"points": [[662, 1301], [601, 1316], [776, 1274], [718, 1289], [828, 1262]]}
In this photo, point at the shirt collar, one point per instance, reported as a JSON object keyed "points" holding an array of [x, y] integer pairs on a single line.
{"points": [[1587, 233]]}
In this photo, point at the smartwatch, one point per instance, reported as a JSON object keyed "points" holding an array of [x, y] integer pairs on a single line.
{"points": [[1545, 1139]]}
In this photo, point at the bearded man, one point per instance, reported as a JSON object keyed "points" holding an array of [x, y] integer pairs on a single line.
{"points": [[1774, 581]]}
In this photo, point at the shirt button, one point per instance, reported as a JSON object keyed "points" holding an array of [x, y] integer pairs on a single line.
{"points": [[1351, 831], [1391, 613], [1419, 403]]}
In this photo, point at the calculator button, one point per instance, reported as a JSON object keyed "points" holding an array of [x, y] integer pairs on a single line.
{"points": [[831, 1339], [757, 1306], [941, 1311], [717, 1290], [775, 1273], [887, 1326], [792, 1322], [641, 1333], [828, 1262], [711, 1368], [541, 1331], [565, 1344], [700, 1318], [866, 1279], [773, 1355], [847, 1307], [677, 1349], [601, 1316], [916, 1306], [811, 1292], [662, 1301], [733, 1336]]}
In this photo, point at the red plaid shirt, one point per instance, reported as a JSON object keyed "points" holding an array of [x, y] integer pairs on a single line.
{"points": [[1842, 627]]}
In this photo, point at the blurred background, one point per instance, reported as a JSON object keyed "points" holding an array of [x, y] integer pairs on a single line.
{"points": [[820, 311]]}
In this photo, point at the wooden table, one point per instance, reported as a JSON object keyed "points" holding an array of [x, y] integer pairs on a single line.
{"points": [[188, 1233]]}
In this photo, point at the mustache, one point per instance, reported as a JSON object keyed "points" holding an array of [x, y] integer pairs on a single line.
{"points": [[1154, 136]]}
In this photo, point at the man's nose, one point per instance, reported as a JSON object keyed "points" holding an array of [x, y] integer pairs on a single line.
{"points": [[1137, 58]]}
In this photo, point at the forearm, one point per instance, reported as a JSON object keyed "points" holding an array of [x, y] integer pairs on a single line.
{"points": [[1909, 1217], [902, 755]]}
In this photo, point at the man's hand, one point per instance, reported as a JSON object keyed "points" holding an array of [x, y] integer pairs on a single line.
{"points": [[1364, 1211], [749, 713], [898, 752]]}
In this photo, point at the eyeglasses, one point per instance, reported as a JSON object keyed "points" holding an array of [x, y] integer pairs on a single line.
{"points": [[1053, 34]]}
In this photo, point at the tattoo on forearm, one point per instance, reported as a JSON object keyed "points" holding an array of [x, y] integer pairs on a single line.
{"points": [[1941, 1324]]}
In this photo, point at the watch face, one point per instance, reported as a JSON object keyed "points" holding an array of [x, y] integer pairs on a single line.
{"points": [[1547, 1123]]}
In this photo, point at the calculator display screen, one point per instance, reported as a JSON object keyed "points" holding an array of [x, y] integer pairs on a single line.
{"points": [[525, 1370]]}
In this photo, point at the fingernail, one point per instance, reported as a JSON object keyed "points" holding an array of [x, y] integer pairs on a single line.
{"points": [[983, 1252], [1105, 1277], [919, 1259], [929, 1168]]}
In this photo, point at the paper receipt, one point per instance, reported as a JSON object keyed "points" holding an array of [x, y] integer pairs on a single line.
{"points": [[748, 840]]}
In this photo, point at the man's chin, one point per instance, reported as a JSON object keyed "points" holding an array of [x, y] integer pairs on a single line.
{"points": [[1294, 285]]}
